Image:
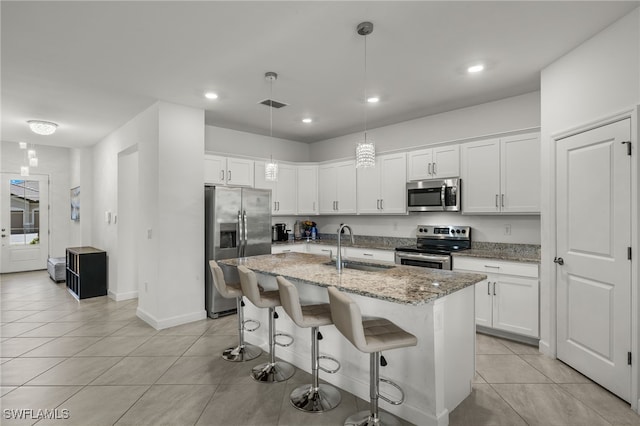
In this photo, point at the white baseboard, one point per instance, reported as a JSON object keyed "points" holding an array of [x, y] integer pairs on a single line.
{"points": [[545, 348], [160, 324], [122, 296]]}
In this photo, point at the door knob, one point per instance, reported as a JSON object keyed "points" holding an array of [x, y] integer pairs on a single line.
{"points": [[3, 235], [558, 260]]}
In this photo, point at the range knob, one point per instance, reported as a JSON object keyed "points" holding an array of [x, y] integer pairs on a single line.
{"points": [[464, 231], [457, 231], [452, 231]]}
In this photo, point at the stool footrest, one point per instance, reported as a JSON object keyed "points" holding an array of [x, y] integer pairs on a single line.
{"points": [[245, 328], [284, 345], [326, 370], [395, 385]]}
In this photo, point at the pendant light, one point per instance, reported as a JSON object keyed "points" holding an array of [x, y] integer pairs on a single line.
{"points": [[365, 150], [271, 167]]}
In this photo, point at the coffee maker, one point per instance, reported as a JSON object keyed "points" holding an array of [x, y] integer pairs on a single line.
{"points": [[279, 232]]}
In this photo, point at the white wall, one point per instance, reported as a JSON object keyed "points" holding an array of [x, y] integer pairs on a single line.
{"points": [[127, 224], [54, 162], [599, 78], [81, 174], [506, 115], [234, 142]]}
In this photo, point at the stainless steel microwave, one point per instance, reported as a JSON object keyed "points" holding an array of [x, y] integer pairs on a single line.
{"points": [[435, 195]]}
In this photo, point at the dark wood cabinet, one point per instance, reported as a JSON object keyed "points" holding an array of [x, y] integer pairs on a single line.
{"points": [[86, 272]]}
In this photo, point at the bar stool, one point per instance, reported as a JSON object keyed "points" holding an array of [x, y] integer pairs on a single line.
{"points": [[373, 335], [313, 398], [244, 351], [272, 371]]}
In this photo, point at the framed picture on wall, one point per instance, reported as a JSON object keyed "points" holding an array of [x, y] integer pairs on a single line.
{"points": [[75, 204]]}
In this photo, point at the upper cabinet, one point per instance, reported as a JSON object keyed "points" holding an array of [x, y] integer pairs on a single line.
{"points": [[308, 190], [283, 191], [434, 163], [228, 171], [382, 189], [501, 175], [337, 188]]}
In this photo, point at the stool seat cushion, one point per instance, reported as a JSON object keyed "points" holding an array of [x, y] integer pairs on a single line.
{"points": [[316, 315], [381, 334]]}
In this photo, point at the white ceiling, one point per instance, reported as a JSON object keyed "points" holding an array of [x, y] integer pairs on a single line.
{"points": [[92, 66]]}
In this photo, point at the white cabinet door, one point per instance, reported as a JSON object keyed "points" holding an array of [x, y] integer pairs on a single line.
{"points": [[393, 189], [286, 190], [432, 163], [480, 174], [382, 189], [322, 249], [368, 189], [420, 163], [484, 303], [346, 187], [228, 171], [515, 305], [446, 161], [327, 186], [307, 190], [370, 254], [288, 248], [337, 188], [215, 169], [239, 172], [520, 179]]}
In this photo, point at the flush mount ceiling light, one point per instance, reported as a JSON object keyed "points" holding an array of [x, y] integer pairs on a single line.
{"points": [[307, 120], [211, 95], [373, 99], [365, 150], [271, 167], [475, 68], [44, 128]]}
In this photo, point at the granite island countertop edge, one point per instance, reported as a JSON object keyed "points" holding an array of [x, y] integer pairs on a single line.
{"points": [[409, 285]]}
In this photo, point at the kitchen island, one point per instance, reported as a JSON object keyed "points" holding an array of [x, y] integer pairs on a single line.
{"points": [[436, 306]]}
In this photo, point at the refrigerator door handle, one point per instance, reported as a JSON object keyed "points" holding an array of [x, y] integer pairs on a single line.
{"points": [[240, 237], [244, 221]]}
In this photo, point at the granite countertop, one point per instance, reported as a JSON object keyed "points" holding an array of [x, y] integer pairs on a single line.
{"points": [[409, 285], [529, 253]]}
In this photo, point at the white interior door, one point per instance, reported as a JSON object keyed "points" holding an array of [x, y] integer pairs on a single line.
{"points": [[24, 222], [594, 283]]}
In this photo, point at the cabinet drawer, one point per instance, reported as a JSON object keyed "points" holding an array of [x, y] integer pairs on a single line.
{"points": [[287, 248], [370, 254], [477, 264]]}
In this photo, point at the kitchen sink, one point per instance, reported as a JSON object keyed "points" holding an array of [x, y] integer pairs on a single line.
{"points": [[363, 266]]}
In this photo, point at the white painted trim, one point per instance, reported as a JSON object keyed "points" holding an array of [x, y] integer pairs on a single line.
{"points": [[550, 231], [122, 296], [161, 324]]}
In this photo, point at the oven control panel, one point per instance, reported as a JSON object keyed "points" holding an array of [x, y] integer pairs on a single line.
{"points": [[443, 231]]}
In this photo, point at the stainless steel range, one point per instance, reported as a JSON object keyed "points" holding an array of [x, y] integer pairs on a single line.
{"points": [[434, 245]]}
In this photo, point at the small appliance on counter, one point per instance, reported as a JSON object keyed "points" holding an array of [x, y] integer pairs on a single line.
{"points": [[279, 232]]}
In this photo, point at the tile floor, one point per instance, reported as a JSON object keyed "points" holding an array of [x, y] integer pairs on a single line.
{"points": [[97, 360]]}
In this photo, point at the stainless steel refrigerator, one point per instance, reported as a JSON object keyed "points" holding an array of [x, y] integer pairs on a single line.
{"points": [[237, 224]]}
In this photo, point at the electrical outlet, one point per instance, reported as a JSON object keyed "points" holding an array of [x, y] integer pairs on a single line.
{"points": [[507, 229]]}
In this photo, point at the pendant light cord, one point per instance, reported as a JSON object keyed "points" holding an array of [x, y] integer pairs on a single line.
{"points": [[365, 88]]}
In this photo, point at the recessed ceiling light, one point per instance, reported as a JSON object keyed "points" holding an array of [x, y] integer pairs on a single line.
{"points": [[307, 120], [475, 68], [211, 95], [373, 99]]}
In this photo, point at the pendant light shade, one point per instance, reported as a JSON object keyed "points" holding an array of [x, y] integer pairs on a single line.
{"points": [[24, 170], [271, 167], [365, 150]]}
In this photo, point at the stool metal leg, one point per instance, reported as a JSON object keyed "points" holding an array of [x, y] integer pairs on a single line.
{"points": [[315, 398], [244, 351], [272, 371], [373, 417]]}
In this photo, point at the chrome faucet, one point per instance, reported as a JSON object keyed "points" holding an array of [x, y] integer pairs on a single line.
{"points": [[339, 255]]}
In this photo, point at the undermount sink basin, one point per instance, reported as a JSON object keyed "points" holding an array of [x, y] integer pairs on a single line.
{"points": [[362, 266]]}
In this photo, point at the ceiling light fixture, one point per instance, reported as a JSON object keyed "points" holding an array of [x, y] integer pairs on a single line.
{"points": [[40, 127], [211, 95], [271, 167], [475, 68], [307, 120], [365, 150], [373, 99], [22, 145]]}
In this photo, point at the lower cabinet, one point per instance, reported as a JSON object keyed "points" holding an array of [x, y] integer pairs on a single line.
{"points": [[508, 299], [326, 249]]}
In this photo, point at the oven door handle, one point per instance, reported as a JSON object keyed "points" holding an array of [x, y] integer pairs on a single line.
{"points": [[434, 257]]}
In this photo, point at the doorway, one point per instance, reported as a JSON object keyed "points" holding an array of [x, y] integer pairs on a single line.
{"points": [[593, 214], [24, 222]]}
